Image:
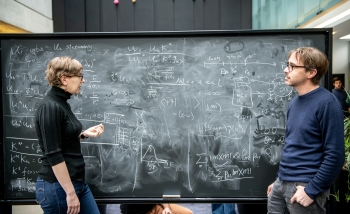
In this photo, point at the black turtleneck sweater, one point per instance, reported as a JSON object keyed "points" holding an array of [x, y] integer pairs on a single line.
{"points": [[58, 133]]}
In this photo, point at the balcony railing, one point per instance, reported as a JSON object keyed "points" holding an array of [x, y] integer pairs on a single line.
{"points": [[285, 14]]}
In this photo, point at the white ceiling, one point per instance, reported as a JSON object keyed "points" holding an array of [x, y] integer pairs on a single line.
{"points": [[328, 19], [341, 29]]}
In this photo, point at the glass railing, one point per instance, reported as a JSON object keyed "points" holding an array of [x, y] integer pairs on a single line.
{"points": [[285, 14]]}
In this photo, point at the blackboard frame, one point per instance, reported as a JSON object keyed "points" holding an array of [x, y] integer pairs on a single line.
{"points": [[326, 32]]}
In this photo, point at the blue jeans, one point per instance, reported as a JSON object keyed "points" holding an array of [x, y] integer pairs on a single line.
{"points": [[52, 197], [282, 192], [223, 208]]}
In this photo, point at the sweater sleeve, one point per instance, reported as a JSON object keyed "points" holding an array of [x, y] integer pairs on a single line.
{"points": [[50, 119], [332, 128]]}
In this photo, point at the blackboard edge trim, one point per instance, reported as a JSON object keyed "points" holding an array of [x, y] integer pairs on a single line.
{"points": [[86, 35]]}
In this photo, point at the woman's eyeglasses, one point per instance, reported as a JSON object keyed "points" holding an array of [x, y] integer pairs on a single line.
{"points": [[81, 76]]}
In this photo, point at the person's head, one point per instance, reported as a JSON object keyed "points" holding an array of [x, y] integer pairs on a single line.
{"points": [[66, 73], [306, 63], [337, 83]]}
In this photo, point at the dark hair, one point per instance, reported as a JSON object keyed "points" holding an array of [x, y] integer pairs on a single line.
{"points": [[60, 66], [336, 79], [313, 59]]}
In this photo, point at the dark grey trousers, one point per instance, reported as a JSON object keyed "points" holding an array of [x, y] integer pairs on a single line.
{"points": [[282, 192]]}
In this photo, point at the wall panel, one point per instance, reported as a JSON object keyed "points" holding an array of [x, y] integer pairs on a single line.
{"points": [[183, 15], [58, 16], [231, 9], [75, 16], [109, 16], [126, 16], [211, 15], [92, 15], [151, 15], [246, 15], [164, 15], [198, 16], [144, 15]]}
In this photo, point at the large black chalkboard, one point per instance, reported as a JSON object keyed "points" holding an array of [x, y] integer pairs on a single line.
{"points": [[195, 114]]}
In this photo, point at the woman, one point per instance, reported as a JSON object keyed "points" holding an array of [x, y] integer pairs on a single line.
{"points": [[153, 209], [60, 187]]}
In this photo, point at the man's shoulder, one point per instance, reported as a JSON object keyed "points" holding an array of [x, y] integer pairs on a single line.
{"points": [[328, 100], [319, 98], [324, 93], [319, 93]]}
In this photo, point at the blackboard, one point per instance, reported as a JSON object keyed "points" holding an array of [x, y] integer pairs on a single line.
{"points": [[194, 114]]}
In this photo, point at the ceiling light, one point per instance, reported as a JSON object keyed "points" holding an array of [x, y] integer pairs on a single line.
{"points": [[345, 37], [334, 19]]}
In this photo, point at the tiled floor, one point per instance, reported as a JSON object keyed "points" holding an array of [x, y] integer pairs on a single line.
{"points": [[27, 209]]}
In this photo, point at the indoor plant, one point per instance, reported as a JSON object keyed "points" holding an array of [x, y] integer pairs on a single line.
{"points": [[347, 155], [343, 181]]}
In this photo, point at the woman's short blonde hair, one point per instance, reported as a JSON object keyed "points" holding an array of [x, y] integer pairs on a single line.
{"points": [[62, 66]]}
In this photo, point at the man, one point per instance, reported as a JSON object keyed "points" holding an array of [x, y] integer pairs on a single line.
{"points": [[313, 154], [341, 94]]}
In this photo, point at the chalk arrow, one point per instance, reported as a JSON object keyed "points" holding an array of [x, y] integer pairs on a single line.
{"points": [[197, 103]]}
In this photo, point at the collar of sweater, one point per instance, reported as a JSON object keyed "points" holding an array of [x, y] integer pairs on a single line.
{"points": [[59, 93]]}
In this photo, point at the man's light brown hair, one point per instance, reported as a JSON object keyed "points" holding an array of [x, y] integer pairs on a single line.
{"points": [[313, 59]]}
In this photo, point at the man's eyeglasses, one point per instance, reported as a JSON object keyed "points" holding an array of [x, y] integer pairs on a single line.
{"points": [[291, 67]]}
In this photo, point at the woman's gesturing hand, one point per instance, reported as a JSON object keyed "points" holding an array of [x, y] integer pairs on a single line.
{"points": [[94, 131]]}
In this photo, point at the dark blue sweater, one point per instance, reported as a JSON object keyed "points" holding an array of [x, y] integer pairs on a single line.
{"points": [[314, 149], [341, 95]]}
